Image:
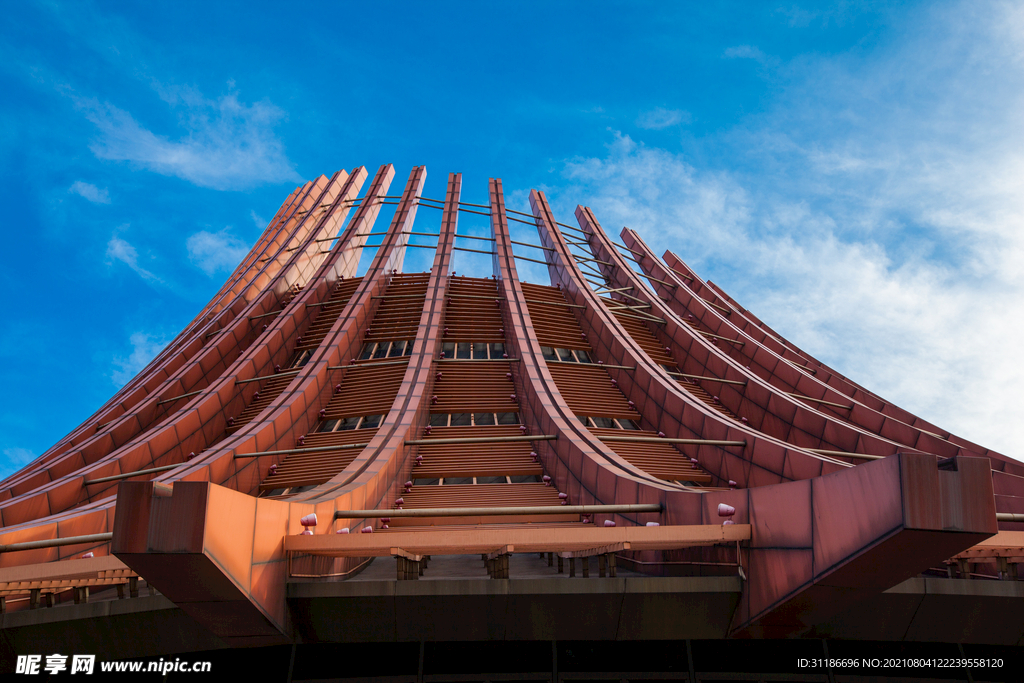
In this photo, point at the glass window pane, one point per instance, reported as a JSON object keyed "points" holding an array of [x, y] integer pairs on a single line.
{"points": [[549, 353], [583, 356], [408, 348], [458, 480], [483, 419], [604, 422], [348, 423], [328, 426], [371, 421], [382, 350], [367, 350], [439, 419], [479, 350], [628, 424], [449, 349], [460, 419], [508, 418], [490, 480], [497, 350], [397, 349], [426, 482], [565, 354], [462, 350]]}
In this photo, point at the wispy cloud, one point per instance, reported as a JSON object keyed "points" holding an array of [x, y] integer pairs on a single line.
{"points": [[14, 459], [876, 221], [259, 220], [880, 225], [659, 118], [224, 144], [121, 250], [145, 347], [90, 192], [744, 52], [213, 251]]}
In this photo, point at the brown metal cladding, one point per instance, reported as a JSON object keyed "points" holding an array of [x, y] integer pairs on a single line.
{"points": [[481, 495], [661, 460], [469, 318], [474, 387], [554, 325], [588, 391], [304, 469], [476, 460], [327, 314]]}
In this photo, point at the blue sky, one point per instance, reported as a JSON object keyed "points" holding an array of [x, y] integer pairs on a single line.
{"points": [[849, 172]]}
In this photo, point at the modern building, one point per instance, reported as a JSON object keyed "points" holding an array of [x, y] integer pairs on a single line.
{"points": [[342, 469]]}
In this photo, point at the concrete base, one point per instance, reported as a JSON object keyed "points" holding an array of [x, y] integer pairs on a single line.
{"points": [[514, 609], [935, 610], [110, 629]]}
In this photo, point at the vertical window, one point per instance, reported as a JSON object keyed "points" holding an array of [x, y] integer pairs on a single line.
{"points": [[548, 353], [408, 348], [449, 349], [479, 351], [397, 349], [348, 423], [367, 351], [462, 350], [328, 426], [483, 419], [565, 354], [583, 356], [371, 421], [497, 350], [382, 350]]}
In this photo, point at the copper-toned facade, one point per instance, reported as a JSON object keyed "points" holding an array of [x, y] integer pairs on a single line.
{"points": [[445, 431]]}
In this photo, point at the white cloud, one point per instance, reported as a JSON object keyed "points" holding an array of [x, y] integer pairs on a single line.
{"points": [[226, 144], [260, 221], [144, 348], [933, 337], [659, 118], [744, 52], [16, 458], [875, 215], [90, 192], [215, 251], [121, 250]]}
